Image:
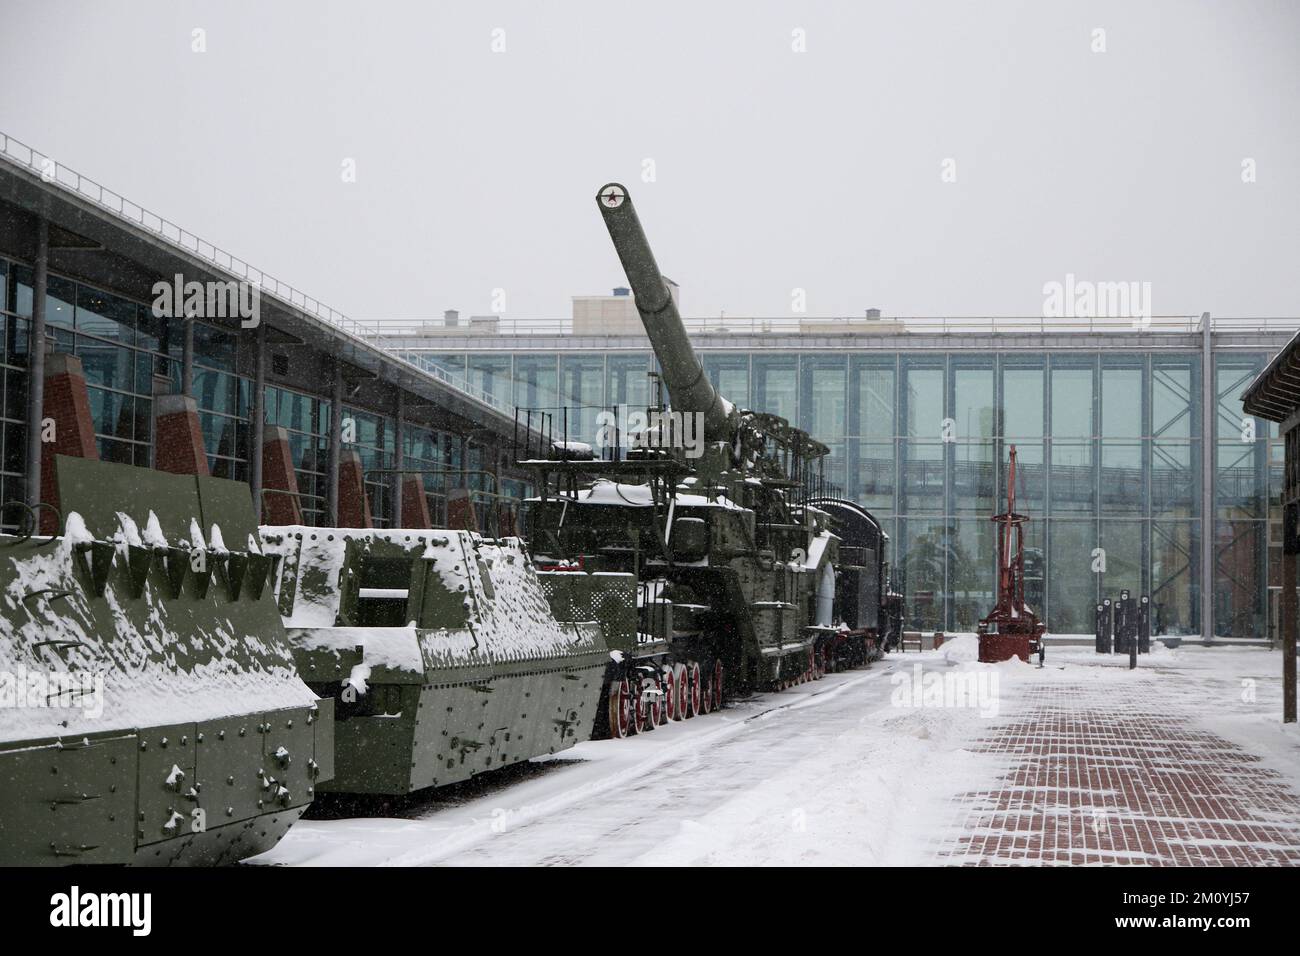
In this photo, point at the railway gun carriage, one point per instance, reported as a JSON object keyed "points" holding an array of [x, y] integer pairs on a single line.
{"points": [[152, 713], [736, 563]]}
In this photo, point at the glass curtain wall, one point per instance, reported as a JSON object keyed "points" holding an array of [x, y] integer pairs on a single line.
{"points": [[1245, 520], [1108, 448], [128, 355], [13, 390]]}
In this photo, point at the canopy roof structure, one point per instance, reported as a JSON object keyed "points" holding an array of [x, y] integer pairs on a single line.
{"points": [[1275, 393]]}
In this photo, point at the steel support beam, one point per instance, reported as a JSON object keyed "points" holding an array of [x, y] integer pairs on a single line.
{"points": [[399, 413], [464, 461], [1209, 414], [257, 427], [1289, 628], [36, 363], [335, 451], [187, 357]]}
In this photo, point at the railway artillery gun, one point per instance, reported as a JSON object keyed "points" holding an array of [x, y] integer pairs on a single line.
{"points": [[734, 562]]}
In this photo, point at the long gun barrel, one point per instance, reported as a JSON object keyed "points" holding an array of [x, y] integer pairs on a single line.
{"points": [[689, 388]]}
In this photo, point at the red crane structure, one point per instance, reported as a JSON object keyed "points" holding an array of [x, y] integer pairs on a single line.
{"points": [[1012, 629]]}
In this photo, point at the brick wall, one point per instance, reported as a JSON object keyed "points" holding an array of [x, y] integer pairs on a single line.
{"points": [[460, 510], [178, 439], [278, 476], [415, 503], [354, 506], [67, 424]]}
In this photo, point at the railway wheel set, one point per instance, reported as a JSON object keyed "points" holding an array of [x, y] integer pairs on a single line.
{"points": [[816, 670], [654, 695]]}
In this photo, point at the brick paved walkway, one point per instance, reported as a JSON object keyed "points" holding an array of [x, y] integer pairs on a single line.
{"points": [[1084, 786]]}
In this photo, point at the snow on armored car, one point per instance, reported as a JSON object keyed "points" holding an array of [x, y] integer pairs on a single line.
{"points": [[733, 536], [149, 707], [447, 654]]}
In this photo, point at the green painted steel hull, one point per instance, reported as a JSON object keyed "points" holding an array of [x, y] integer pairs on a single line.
{"points": [[150, 712], [103, 799], [442, 650], [469, 722]]}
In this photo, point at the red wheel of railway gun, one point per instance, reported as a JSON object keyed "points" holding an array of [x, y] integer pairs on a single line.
{"points": [[695, 689], [670, 693], [640, 709], [717, 685], [683, 691], [706, 696], [655, 691], [619, 695]]}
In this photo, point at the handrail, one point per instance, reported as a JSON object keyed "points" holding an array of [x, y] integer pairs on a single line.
{"points": [[51, 171], [396, 334], [463, 472]]}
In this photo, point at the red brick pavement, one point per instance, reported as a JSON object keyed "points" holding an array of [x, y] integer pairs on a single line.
{"points": [[1123, 777]]}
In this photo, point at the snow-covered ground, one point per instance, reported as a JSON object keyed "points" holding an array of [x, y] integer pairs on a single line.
{"points": [[859, 768]]}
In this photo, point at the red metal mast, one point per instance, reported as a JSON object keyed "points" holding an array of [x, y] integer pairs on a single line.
{"points": [[1011, 629]]}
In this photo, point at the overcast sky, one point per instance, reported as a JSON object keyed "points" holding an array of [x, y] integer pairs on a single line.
{"points": [[774, 169]]}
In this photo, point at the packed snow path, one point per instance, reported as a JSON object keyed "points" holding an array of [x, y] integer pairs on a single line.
{"points": [[827, 772], [889, 765]]}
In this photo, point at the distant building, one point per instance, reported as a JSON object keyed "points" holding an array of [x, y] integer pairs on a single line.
{"points": [[1140, 468], [612, 314]]}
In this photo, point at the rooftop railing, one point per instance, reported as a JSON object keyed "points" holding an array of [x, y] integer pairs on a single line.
{"points": [[53, 172], [435, 331], [379, 333]]}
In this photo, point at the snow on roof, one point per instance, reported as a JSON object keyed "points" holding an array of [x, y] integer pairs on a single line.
{"points": [[396, 648], [123, 663], [515, 624], [604, 491], [816, 549]]}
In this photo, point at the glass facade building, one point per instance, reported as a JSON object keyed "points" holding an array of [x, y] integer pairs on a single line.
{"points": [[129, 356], [1138, 468], [1109, 442]]}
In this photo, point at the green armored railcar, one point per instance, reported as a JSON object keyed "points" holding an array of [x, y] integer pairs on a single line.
{"points": [[444, 652], [150, 711], [717, 511]]}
